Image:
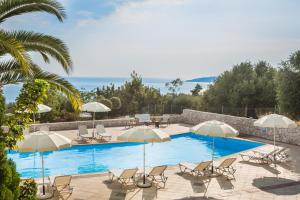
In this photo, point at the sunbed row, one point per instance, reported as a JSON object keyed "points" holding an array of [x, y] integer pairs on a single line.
{"points": [[277, 155], [157, 176], [100, 133]]}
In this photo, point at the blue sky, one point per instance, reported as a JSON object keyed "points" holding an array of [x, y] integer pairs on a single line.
{"points": [[169, 38]]}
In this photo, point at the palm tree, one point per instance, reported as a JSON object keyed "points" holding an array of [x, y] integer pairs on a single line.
{"points": [[17, 66]]}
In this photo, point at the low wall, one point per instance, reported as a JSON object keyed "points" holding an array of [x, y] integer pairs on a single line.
{"points": [[243, 125], [106, 122]]}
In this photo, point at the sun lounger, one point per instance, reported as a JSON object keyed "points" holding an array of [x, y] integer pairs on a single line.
{"points": [[124, 177], [199, 169], [281, 155], [101, 132], [262, 158], [165, 119], [226, 169], [157, 175], [62, 184], [143, 118], [83, 132]]}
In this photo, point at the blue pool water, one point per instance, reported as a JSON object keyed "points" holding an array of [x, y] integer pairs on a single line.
{"points": [[186, 147]]}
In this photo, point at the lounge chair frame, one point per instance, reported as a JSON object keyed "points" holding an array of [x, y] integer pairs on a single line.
{"points": [[82, 136], [62, 188], [281, 155], [124, 181], [226, 169], [166, 119], [261, 158], [201, 169], [100, 131], [157, 176]]}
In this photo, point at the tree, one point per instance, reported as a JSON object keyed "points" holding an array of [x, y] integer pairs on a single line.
{"points": [[132, 94], [288, 82], [19, 66], [242, 90], [196, 90], [174, 85], [116, 103]]}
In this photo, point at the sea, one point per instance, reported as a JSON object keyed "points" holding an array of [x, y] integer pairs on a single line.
{"points": [[90, 83]]}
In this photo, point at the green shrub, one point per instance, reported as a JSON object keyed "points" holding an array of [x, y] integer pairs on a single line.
{"points": [[28, 190], [106, 102], [116, 103], [9, 178]]}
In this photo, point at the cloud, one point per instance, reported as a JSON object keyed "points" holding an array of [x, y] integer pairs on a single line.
{"points": [[175, 38]]}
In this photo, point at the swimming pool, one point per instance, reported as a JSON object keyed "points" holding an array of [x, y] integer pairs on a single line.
{"points": [[80, 159]]}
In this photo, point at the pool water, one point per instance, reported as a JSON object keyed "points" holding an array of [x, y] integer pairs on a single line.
{"points": [[80, 159]]}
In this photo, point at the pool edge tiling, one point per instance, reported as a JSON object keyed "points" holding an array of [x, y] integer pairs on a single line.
{"points": [[93, 158]]}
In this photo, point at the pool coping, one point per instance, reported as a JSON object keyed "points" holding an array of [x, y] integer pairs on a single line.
{"points": [[179, 133]]}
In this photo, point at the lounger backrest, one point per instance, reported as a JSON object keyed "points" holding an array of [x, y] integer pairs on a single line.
{"points": [[61, 181], [82, 129], [44, 128], [165, 118], [203, 165], [100, 129], [227, 163], [143, 117], [158, 170], [128, 173], [281, 150], [271, 153]]}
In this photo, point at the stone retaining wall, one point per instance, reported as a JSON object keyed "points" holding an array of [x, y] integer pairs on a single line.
{"points": [[243, 125], [106, 122]]}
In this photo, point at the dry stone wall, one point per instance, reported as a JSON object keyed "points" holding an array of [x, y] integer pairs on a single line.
{"points": [[106, 123], [243, 125]]}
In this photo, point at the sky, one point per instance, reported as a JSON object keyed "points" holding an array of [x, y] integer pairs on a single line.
{"points": [[169, 38]]}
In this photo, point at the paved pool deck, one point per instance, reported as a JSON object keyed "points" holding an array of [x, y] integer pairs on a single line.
{"points": [[253, 181]]}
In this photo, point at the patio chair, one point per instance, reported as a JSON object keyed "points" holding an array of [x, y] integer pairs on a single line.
{"points": [[61, 184], [226, 169], [200, 169], [44, 128], [130, 122], [262, 158], [157, 175], [143, 118], [281, 155], [83, 133], [101, 132], [165, 119], [124, 177]]}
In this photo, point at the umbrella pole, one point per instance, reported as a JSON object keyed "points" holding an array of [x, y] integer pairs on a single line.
{"points": [[212, 155], [94, 124], [43, 173], [144, 178], [33, 122], [274, 145]]}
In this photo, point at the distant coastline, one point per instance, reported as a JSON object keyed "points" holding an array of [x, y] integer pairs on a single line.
{"points": [[90, 83], [208, 79]]}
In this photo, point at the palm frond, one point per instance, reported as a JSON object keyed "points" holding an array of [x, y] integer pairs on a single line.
{"points": [[47, 46], [10, 8], [10, 74], [60, 84], [9, 45]]}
